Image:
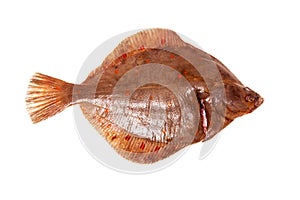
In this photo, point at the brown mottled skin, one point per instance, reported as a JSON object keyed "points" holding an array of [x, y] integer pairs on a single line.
{"points": [[236, 104], [219, 101]]}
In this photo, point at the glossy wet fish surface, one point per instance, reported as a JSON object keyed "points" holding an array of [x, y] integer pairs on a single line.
{"points": [[152, 96]]}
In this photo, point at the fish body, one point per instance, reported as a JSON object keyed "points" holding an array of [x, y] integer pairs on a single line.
{"points": [[152, 96]]}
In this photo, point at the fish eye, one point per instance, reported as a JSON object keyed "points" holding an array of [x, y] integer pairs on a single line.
{"points": [[250, 98]]}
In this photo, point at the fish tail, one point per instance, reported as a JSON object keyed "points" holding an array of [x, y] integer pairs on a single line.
{"points": [[47, 96]]}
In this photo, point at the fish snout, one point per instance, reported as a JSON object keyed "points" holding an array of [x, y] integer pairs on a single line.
{"points": [[253, 98], [259, 101]]}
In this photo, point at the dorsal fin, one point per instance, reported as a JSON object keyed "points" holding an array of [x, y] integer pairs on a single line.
{"points": [[150, 38]]}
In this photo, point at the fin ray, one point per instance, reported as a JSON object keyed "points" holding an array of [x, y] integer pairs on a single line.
{"points": [[47, 96]]}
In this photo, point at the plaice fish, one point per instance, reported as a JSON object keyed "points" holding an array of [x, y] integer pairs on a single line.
{"points": [[152, 96]]}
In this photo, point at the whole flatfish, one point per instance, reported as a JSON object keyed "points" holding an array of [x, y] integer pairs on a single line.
{"points": [[152, 96]]}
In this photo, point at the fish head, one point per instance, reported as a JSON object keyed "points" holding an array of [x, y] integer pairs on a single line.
{"points": [[240, 100]]}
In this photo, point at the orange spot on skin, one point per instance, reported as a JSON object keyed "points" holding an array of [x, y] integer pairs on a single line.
{"points": [[106, 110], [116, 71], [147, 60], [179, 76], [127, 137], [163, 41], [142, 48], [56, 87], [151, 97], [113, 137], [164, 131], [157, 148], [108, 125], [127, 93], [142, 146], [172, 56], [185, 72], [124, 56]]}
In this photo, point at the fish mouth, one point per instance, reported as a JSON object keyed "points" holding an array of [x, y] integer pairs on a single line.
{"points": [[259, 101]]}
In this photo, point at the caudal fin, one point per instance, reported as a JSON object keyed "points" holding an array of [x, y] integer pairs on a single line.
{"points": [[47, 96]]}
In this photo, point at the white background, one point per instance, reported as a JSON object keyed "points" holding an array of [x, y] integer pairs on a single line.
{"points": [[257, 156]]}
